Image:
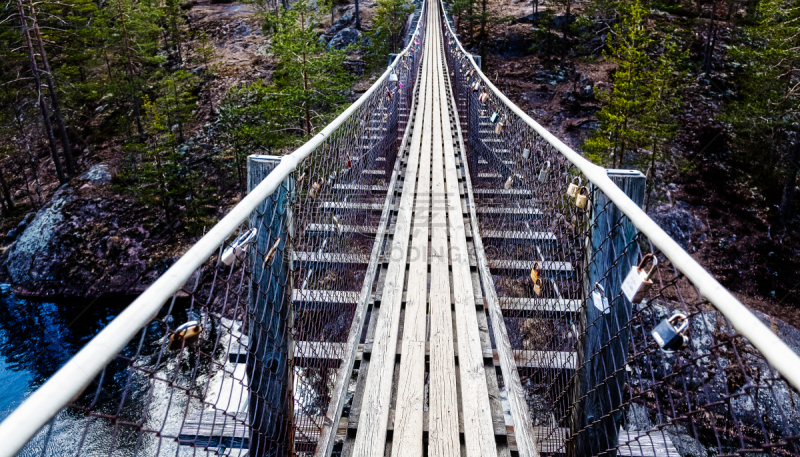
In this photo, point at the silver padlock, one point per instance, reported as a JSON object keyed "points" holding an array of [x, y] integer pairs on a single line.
{"points": [[236, 249], [526, 152], [573, 188], [509, 181], [544, 172], [668, 336], [498, 129], [476, 86], [392, 75], [638, 283], [599, 299]]}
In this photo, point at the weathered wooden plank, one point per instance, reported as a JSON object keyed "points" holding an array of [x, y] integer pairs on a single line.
{"points": [[443, 440], [513, 235], [374, 409], [329, 259], [356, 188], [411, 380], [523, 432], [475, 406], [549, 268], [351, 207], [524, 193], [536, 304], [521, 213]]}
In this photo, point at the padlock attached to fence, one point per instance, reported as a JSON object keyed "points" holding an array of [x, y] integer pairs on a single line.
{"points": [[476, 86], [188, 333], [498, 129], [236, 249], [544, 172], [537, 267], [494, 118], [392, 75], [670, 334], [582, 200], [314, 189], [537, 287], [526, 152], [599, 299], [509, 182], [638, 282], [573, 189]]}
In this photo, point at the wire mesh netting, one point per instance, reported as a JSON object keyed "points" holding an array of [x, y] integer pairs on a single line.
{"points": [[246, 356], [597, 380]]}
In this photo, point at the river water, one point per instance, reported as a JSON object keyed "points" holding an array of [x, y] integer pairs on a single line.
{"points": [[38, 337]]}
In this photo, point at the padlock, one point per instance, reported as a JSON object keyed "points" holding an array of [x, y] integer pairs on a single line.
{"points": [[573, 188], [314, 190], [483, 97], [544, 172], [581, 200], [669, 337], [392, 76], [476, 86], [389, 95], [599, 299], [537, 287], [509, 181], [526, 153], [331, 180], [338, 226], [537, 267], [494, 117], [271, 253], [187, 334], [638, 283], [349, 163], [236, 249], [498, 129]]}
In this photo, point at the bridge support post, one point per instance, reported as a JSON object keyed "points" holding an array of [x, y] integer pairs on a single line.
{"points": [[270, 348], [604, 339]]}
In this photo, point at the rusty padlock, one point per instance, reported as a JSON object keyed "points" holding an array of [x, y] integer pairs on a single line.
{"points": [[669, 337], [638, 283], [537, 267], [544, 172], [581, 200], [573, 188]]}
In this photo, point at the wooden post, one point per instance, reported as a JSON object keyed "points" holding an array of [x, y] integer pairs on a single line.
{"points": [[602, 347], [270, 348]]}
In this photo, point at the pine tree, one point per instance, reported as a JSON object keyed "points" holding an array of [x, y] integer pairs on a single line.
{"points": [[308, 75], [390, 18], [622, 118], [766, 118]]}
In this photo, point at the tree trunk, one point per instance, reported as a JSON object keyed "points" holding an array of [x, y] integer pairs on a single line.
{"points": [[566, 33], [791, 182], [130, 71], [483, 21], [710, 39], [42, 105], [6, 193], [53, 97]]}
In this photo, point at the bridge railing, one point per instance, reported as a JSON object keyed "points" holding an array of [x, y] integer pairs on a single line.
{"points": [[584, 370], [247, 342]]}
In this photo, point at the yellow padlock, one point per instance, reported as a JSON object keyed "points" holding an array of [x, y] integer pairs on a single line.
{"points": [[573, 188], [535, 272], [582, 201]]}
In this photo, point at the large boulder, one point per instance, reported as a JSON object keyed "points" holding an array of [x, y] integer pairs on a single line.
{"points": [[679, 223], [345, 38], [344, 21], [33, 242]]}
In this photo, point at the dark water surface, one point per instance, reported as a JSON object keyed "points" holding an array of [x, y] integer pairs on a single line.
{"points": [[38, 337]]}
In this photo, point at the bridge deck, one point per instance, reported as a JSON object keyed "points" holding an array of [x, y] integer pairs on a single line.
{"points": [[427, 367]]}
